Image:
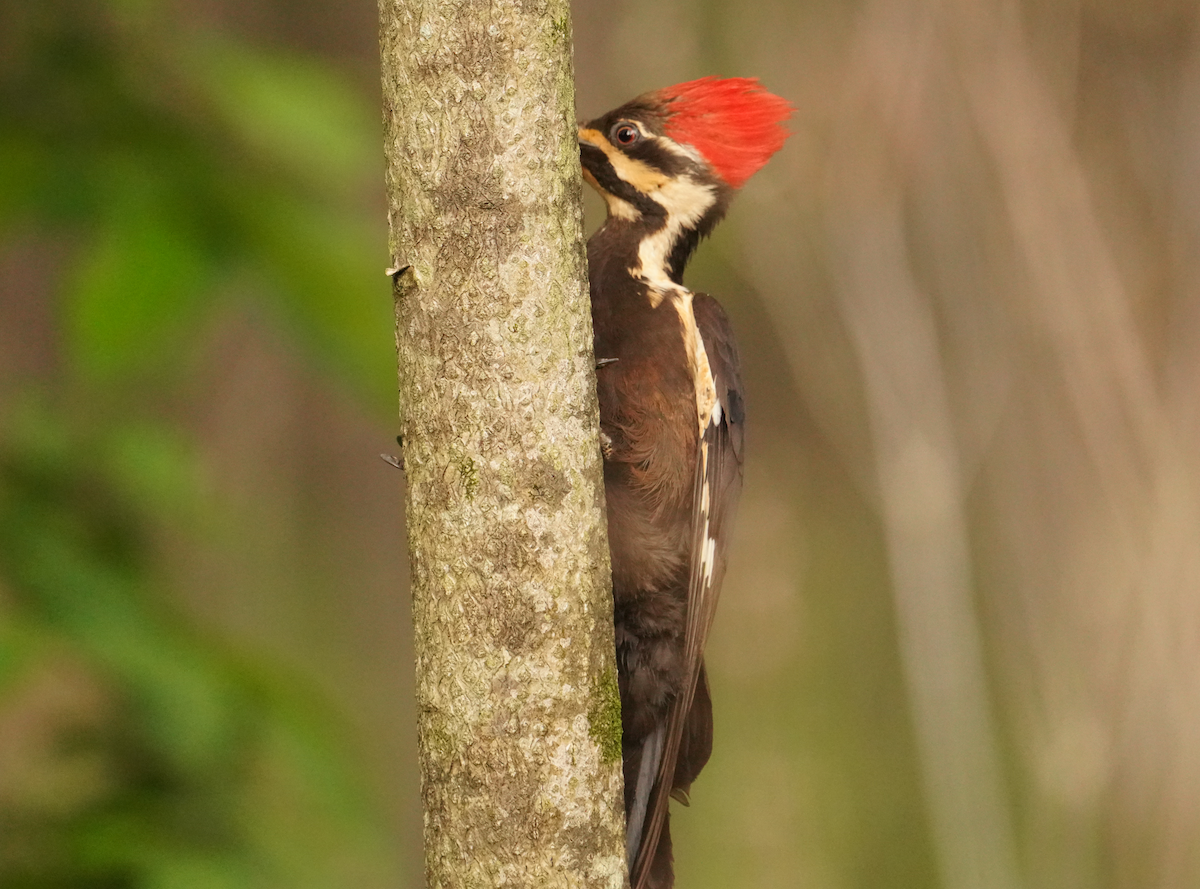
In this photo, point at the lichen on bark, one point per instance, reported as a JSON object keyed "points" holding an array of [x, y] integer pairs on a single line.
{"points": [[510, 578], [604, 716]]}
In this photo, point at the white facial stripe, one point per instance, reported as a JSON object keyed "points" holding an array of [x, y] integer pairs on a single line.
{"points": [[686, 201], [640, 175], [684, 151], [620, 209]]}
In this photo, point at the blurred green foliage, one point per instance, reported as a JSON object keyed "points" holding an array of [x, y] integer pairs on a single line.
{"points": [[184, 170], [152, 756], [191, 168]]}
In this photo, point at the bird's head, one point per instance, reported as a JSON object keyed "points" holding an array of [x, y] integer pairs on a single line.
{"points": [[668, 162], [681, 151]]}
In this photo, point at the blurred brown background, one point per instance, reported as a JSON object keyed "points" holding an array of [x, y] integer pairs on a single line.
{"points": [[959, 644]]}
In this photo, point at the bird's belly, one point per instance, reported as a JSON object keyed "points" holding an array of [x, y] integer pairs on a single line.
{"points": [[649, 538], [650, 558]]}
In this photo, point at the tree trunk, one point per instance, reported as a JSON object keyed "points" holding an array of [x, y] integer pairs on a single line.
{"points": [[519, 715]]}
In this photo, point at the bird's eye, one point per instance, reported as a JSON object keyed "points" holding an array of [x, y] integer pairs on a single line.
{"points": [[626, 133]]}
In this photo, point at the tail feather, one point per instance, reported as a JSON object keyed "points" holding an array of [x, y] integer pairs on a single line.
{"points": [[695, 744], [662, 869], [650, 758]]}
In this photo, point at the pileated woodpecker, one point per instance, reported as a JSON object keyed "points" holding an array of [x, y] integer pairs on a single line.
{"points": [[671, 418]]}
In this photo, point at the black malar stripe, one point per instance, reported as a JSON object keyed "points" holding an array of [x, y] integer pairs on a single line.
{"points": [[597, 163]]}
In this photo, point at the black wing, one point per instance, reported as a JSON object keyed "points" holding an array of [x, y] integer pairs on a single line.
{"points": [[718, 482]]}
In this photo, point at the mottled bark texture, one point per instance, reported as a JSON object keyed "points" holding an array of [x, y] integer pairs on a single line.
{"points": [[519, 716]]}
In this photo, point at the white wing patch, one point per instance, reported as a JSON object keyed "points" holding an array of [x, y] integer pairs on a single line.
{"points": [[707, 407], [708, 558], [708, 551]]}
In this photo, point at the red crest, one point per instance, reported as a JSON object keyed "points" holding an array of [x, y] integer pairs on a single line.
{"points": [[733, 122]]}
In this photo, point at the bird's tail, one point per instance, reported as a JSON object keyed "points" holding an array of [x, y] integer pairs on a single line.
{"points": [[650, 759]]}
